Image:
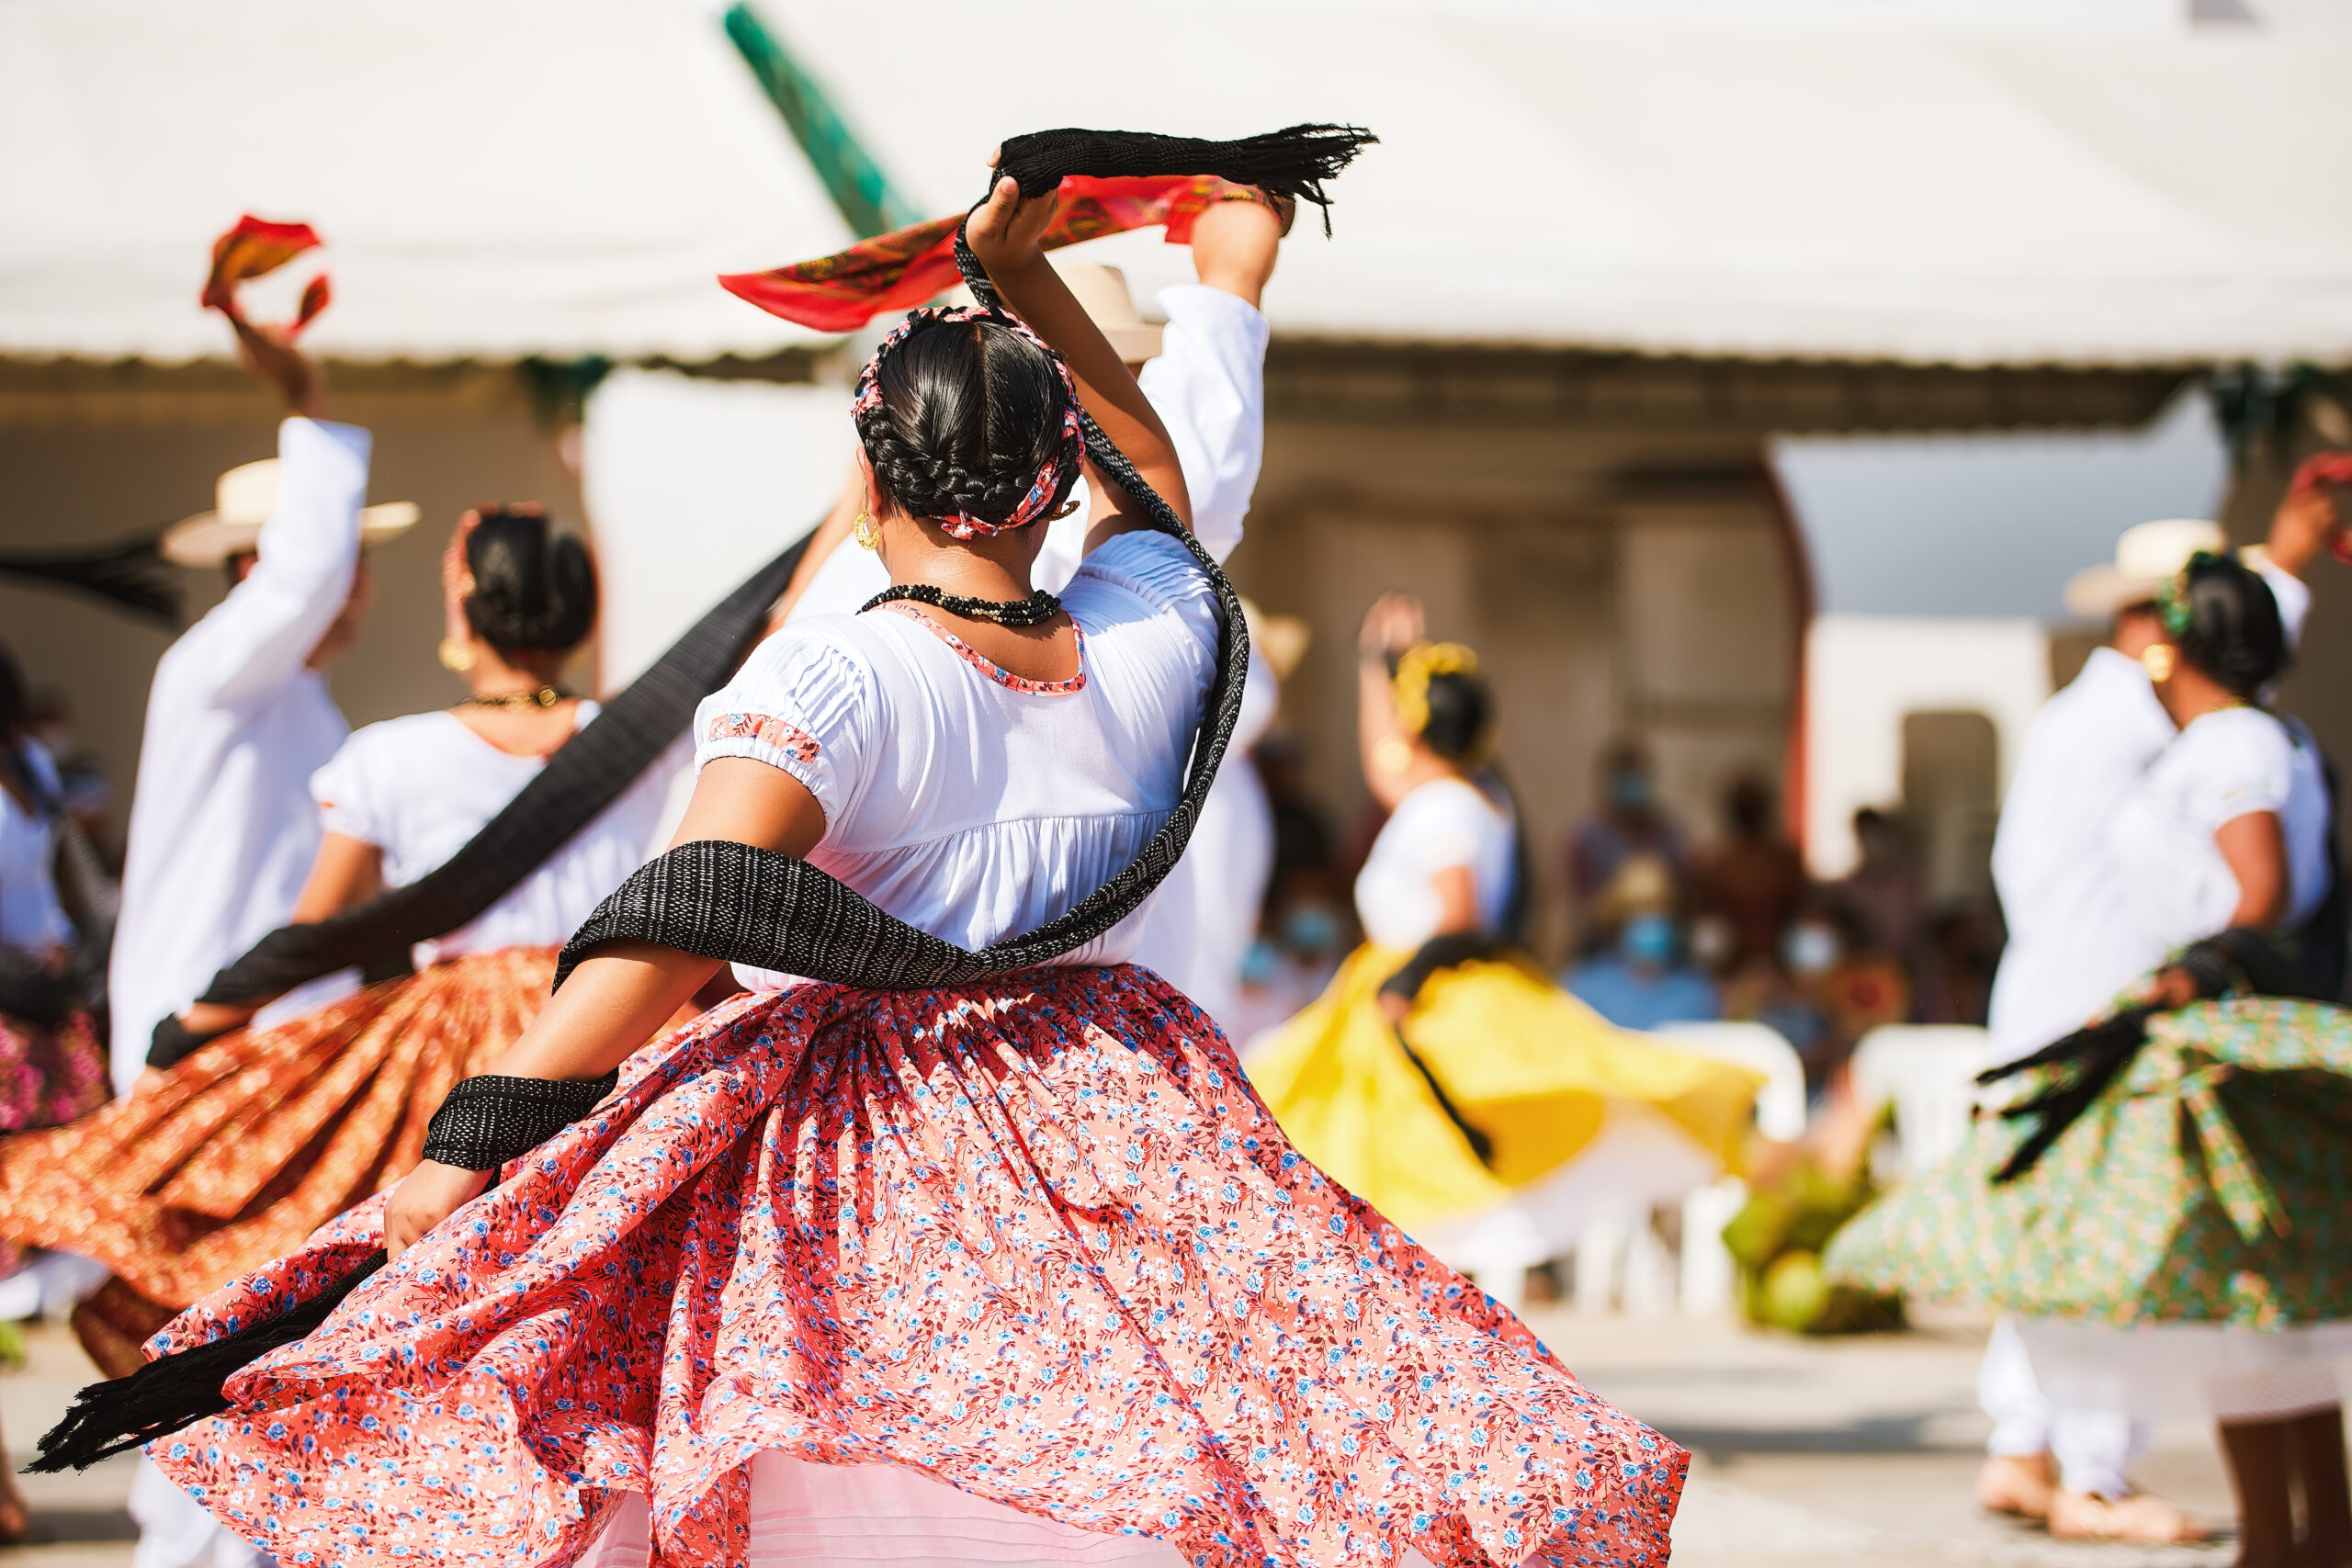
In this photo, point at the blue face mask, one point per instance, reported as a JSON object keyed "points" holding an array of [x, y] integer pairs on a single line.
{"points": [[1648, 939], [1629, 790], [1310, 930], [1809, 949]]}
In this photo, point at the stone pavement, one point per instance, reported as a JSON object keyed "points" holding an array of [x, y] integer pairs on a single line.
{"points": [[1852, 1453], [1845, 1453]]}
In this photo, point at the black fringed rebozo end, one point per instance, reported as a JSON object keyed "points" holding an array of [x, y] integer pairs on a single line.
{"points": [[130, 574], [1294, 162], [179, 1390]]}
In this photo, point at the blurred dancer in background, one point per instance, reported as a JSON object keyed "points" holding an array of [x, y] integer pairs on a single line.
{"points": [[52, 1067], [233, 1153], [2165, 1216], [222, 831], [1441, 1075], [235, 1150], [2071, 948]]}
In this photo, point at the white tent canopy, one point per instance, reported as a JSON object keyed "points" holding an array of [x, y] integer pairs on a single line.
{"points": [[503, 178], [495, 178], [2102, 194]]}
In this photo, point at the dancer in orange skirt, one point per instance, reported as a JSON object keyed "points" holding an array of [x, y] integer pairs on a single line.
{"points": [[235, 1152]]}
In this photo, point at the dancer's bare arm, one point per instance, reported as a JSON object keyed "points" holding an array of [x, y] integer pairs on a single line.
{"points": [[614, 1000], [1006, 234]]}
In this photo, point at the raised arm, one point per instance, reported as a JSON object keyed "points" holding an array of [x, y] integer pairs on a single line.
{"points": [[1208, 381], [1005, 233], [1392, 624], [264, 631]]}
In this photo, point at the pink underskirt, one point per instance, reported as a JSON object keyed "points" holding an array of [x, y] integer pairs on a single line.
{"points": [[881, 1513]]}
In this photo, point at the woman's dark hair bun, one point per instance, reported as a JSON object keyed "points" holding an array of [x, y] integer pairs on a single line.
{"points": [[534, 588], [970, 412], [1461, 710], [2234, 631]]}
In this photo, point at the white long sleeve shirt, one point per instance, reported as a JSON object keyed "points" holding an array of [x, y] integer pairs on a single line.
{"points": [[2073, 940], [223, 826]]}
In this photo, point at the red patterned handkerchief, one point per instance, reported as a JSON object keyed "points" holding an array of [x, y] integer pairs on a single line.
{"points": [[255, 248]]}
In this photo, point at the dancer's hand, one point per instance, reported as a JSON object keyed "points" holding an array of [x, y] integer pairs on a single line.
{"points": [[1007, 233], [426, 1196], [1394, 624]]}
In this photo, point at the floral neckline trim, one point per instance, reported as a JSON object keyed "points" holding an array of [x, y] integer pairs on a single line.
{"points": [[995, 671]]}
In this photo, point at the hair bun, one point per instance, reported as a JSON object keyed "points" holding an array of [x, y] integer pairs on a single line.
{"points": [[2231, 627], [534, 588]]}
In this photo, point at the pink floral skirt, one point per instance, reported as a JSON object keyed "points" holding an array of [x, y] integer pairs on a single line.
{"points": [[1034, 1239]]}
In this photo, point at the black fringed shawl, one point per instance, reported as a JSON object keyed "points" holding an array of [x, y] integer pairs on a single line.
{"points": [[130, 574], [1292, 162]]}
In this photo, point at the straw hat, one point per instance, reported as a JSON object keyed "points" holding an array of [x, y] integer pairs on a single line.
{"points": [[1282, 638], [1103, 291], [2146, 557], [242, 501]]}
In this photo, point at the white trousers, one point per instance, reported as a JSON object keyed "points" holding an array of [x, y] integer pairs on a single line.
{"points": [[174, 1530], [2094, 1448]]}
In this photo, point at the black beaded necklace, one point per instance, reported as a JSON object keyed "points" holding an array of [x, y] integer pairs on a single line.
{"points": [[1033, 611]]}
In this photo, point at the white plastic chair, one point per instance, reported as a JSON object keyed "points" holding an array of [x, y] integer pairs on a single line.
{"points": [[1780, 1105], [1929, 1072], [1706, 1271]]}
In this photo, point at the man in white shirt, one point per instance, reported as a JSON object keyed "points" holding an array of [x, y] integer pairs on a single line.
{"points": [[223, 826], [1206, 378], [2071, 950], [223, 829]]}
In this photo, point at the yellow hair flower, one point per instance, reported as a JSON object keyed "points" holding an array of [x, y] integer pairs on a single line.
{"points": [[1411, 681]]}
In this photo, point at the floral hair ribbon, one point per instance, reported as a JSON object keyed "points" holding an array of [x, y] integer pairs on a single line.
{"points": [[867, 401], [255, 248], [2171, 599]]}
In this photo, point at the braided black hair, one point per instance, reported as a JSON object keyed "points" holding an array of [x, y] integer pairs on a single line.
{"points": [[971, 411], [2225, 622], [534, 588]]}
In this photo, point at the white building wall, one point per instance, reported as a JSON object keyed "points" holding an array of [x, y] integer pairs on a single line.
{"points": [[1863, 674], [693, 483]]}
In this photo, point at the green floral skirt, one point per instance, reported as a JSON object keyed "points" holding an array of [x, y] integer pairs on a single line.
{"points": [[2211, 1183]]}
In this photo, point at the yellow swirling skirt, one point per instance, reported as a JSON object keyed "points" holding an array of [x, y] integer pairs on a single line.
{"points": [[257, 1138], [1522, 1062]]}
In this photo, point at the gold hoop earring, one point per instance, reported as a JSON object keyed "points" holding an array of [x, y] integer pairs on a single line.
{"points": [[865, 531], [2158, 659], [457, 656]]}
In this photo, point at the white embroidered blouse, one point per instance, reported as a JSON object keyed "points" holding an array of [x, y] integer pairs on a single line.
{"points": [[419, 787], [965, 800]]}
